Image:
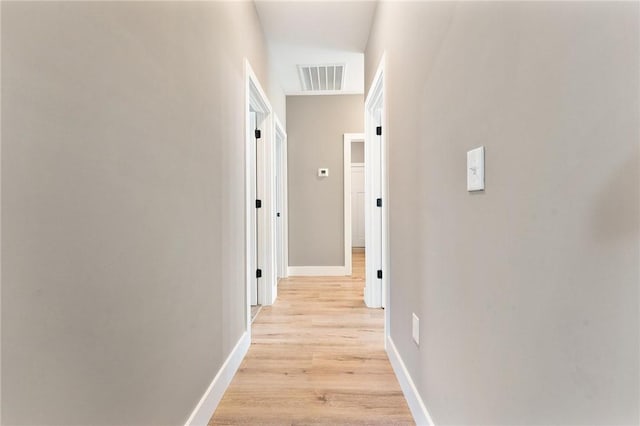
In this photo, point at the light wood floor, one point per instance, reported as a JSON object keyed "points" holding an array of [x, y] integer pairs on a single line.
{"points": [[317, 357]]}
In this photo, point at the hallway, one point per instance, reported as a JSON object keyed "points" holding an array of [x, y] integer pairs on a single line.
{"points": [[163, 163], [317, 356]]}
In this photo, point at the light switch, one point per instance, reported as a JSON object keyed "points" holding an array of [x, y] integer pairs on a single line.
{"points": [[475, 169], [323, 172]]}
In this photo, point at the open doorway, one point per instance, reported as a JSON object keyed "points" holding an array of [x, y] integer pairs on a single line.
{"points": [[256, 129], [259, 215], [357, 211], [357, 195], [281, 228], [376, 203], [354, 199]]}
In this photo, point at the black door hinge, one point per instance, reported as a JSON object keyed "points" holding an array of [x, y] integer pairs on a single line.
{"points": [[258, 204], [379, 274], [378, 202], [378, 130], [258, 273], [277, 214], [258, 134]]}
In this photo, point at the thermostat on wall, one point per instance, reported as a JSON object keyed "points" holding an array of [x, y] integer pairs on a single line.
{"points": [[323, 172]]}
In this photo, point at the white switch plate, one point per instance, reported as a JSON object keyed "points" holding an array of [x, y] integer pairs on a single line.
{"points": [[323, 172], [475, 169], [415, 329]]}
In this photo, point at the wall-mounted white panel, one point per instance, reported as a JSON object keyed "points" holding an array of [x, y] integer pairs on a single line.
{"points": [[475, 169]]}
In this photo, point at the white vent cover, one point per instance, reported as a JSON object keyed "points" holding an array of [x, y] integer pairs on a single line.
{"points": [[316, 78]]}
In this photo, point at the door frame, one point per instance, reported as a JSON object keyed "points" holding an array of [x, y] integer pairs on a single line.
{"points": [[282, 259], [376, 290], [257, 182], [360, 167], [347, 140]]}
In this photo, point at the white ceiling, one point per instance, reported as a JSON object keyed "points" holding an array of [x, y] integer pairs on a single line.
{"points": [[307, 32]]}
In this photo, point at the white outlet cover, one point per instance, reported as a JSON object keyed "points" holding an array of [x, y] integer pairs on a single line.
{"points": [[415, 329], [323, 172], [475, 169]]}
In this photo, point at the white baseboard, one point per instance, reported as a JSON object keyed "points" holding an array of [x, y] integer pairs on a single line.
{"points": [[416, 405], [316, 271], [211, 398]]}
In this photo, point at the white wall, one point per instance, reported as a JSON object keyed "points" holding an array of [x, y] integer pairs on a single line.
{"points": [[527, 293]]}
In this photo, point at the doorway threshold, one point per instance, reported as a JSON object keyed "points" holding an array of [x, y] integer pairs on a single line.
{"points": [[255, 309]]}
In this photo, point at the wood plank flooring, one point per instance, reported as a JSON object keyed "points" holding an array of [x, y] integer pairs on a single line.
{"points": [[317, 357]]}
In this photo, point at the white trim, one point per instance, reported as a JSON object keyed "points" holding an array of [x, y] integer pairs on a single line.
{"points": [[347, 140], [386, 262], [213, 395], [267, 214], [317, 271], [376, 186], [325, 93], [414, 400], [0, 225], [284, 214], [256, 100], [359, 167]]}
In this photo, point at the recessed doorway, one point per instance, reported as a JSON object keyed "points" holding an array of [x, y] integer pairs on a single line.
{"points": [[354, 196]]}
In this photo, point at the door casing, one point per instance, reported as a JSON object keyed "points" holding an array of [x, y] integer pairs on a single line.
{"points": [[259, 182], [357, 169], [347, 139], [376, 186], [280, 196]]}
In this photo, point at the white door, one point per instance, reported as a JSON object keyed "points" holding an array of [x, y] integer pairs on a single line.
{"points": [[374, 287], [253, 294], [357, 205], [279, 210], [377, 185]]}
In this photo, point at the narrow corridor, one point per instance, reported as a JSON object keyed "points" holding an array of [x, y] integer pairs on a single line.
{"points": [[317, 356]]}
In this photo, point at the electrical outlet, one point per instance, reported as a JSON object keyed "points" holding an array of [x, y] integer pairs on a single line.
{"points": [[415, 329]]}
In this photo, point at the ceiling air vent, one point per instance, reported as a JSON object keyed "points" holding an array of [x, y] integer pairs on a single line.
{"points": [[317, 78]]}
